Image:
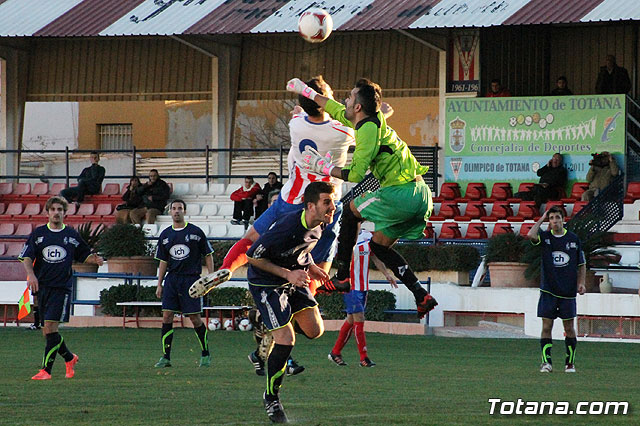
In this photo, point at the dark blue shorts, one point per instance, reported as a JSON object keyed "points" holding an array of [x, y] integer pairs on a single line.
{"points": [[175, 295], [552, 307], [277, 305], [54, 304], [325, 250], [355, 301]]}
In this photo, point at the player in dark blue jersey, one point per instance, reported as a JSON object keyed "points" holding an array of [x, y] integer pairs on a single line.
{"points": [[47, 257], [280, 269], [562, 275], [180, 251]]}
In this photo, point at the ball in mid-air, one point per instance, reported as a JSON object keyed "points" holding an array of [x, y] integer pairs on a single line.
{"points": [[315, 25]]}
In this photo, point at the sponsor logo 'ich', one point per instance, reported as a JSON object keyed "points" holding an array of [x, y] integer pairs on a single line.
{"points": [[54, 254], [560, 258], [179, 251]]}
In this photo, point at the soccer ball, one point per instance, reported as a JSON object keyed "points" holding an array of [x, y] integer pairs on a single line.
{"points": [[245, 325], [228, 324], [214, 324], [315, 25]]}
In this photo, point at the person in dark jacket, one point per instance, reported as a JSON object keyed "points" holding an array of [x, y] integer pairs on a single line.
{"points": [[613, 78], [89, 181], [261, 200], [155, 194], [562, 88], [553, 179], [132, 200]]}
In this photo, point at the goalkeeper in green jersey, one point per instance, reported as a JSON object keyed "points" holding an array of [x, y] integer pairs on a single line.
{"points": [[399, 209]]}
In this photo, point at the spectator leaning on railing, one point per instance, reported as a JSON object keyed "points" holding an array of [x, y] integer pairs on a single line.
{"points": [[155, 194]]}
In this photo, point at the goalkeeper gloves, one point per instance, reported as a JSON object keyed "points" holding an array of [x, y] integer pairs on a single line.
{"points": [[296, 85], [313, 161]]}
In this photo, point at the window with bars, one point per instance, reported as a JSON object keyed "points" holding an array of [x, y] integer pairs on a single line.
{"points": [[115, 136]]}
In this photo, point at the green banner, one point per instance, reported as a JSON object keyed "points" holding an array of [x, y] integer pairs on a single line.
{"points": [[508, 139]]}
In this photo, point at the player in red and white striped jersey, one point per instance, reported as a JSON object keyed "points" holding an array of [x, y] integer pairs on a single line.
{"points": [[356, 300]]}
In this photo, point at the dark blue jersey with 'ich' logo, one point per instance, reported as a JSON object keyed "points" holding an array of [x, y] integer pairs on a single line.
{"points": [[53, 252], [561, 257], [182, 249]]}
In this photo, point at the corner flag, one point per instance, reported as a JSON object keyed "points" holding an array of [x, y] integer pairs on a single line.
{"points": [[24, 305]]}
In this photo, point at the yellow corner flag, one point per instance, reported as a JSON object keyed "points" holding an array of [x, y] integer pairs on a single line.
{"points": [[24, 305]]}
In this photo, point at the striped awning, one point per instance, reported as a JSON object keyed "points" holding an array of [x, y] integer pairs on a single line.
{"points": [[89, 18]]}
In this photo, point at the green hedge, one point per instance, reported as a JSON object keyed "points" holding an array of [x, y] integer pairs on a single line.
{"points": [[229, 296], [128, 293], [450, 257], [378, 301], [220, 249]]}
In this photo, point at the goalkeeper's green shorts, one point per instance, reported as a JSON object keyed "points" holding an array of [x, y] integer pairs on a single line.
{"points": [[399, 211]]}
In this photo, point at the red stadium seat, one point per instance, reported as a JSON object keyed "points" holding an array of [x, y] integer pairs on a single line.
{"points": [[14, 248], [22, 188], [55, 188], [524, 229], [24, 229], [111, 189], [102, 210], [448, 191], [474, 210], [526, 211], [577, 190], [501, 191], [523, 187], [500, 210], [30, 209], [6, 188], [448, 210], [124, 188], [502, 228], [429, 232], [40, 188], [577, 206], [3, 207], [450, 230], [475, 191], [476, 231], [7, 228], [3, 249], [14, 209], [633, 192], [71, 209], [85, 209]]}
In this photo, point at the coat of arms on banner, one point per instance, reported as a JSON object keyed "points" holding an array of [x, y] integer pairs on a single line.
{"points": [[456, 164], [456, 134]]}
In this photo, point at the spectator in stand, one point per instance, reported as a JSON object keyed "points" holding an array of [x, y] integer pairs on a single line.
{"points": [[89, 181], [497, 91], [155, 194], [613, 78], [261, 200], [603, 169], [243, 201], [132, 200], [561, 87], [553, 179]]}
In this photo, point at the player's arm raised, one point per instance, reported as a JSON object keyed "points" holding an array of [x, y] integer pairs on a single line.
{"points": [[297, 277], [535, 229]]}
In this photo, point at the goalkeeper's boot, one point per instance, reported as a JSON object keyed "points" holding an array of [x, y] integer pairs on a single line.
{"points": [[274, 410], [207, 283], [69, 365], [163, 363], [293, 367], [425, 305], [335, 284], [205, 361], [258, 364], [42, 375]]}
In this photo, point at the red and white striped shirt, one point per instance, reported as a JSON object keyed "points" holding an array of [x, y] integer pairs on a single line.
{"points": [[330, 135], [360, 262]]}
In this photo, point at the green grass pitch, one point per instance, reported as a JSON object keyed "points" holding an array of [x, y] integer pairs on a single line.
{"points": [[418, 381]]}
